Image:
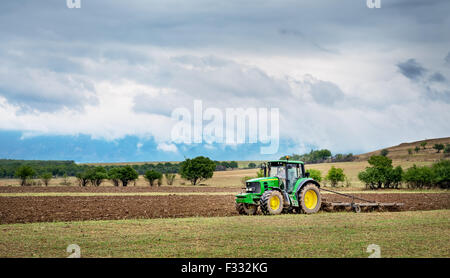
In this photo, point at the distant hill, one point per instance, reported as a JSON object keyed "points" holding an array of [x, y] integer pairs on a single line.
{"points": [[400, 152]]}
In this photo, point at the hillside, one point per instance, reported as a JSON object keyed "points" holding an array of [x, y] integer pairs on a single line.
{"points": [[400, 152]]}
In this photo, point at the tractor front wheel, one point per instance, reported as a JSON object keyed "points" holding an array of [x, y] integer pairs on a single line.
{"points": [[246, 209], [271, 202], [310, 200]]}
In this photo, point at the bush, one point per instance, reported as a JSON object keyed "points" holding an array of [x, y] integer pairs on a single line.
{"points": [[423, 144], [251, 165], [417, 149], [169, 178], [46, 177], [419, 177], [441, 173], [24, 172], [151, 176], [197, 169], [335, 175], [315, 174], [384, 152], [410, 151]]}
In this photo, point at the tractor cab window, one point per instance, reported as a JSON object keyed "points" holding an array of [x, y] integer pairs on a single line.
{"points": [[293, 175], [279, 171]]}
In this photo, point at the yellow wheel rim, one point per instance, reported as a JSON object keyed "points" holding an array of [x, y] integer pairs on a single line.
{"points": [[274, 202], [310, 199]]}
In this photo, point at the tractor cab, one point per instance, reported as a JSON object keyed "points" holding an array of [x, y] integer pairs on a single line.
{"points": [[288, 172]]}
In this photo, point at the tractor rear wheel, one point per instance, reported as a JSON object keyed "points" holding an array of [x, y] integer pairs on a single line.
{"points": [[310, 200], [246, 209], [271, 202]]}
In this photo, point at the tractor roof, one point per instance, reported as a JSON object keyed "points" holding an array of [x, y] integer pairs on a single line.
{"points": [[288, 161]]}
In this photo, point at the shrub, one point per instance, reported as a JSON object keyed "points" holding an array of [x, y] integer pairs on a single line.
{"points": [[419, 177], [151, 176], [423, 144], [197, 169], [46, 177], [251, 165], [417, 149], [410, 151], [441, 173], [335, 175], [384, 152], [169, 178], [315, 174]]}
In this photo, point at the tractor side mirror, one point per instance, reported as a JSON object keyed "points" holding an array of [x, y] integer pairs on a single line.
{"points": [[307, 174]]}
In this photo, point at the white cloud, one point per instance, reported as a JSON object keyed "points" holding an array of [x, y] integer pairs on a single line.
{"points": [[167, 147]]}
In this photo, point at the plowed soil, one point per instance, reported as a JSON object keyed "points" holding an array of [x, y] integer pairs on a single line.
{"points": [[73, 208], [113, 189]]}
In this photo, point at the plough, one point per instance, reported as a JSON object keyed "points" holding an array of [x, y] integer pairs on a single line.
{"points": [[356, 207]]}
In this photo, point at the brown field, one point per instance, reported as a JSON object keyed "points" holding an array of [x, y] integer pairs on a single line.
{"points": [[29, 209]]}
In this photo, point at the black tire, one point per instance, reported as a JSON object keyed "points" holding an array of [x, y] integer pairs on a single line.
{"points": [[303, 199], [246, 209], [266, 198]]}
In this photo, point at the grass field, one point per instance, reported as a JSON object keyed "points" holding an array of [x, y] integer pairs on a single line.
{"points": [[400, 234]]}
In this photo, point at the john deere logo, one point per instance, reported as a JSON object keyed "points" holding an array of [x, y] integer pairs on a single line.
{"points": [[374, 4]]}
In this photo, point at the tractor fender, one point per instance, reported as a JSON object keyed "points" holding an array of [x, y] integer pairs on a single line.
{"points": [[303, 183]]}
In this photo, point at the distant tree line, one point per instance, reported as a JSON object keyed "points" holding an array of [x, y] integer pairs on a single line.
{"points": [[320, 156]]}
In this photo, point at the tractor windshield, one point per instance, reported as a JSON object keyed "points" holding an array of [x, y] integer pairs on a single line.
{"points": [[277, 171]]}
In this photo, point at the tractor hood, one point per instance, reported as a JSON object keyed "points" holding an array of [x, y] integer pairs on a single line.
{"points": [[263, 179]]}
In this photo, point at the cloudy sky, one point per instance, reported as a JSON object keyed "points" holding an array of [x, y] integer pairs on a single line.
{"points": [[99, 83]]}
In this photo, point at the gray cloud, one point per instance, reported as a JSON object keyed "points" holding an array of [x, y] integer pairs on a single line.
{"points": [[447, 59], [411, 69], [437, 77]]}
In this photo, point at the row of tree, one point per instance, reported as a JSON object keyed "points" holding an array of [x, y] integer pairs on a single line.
{"points": [[320, 156], [194, 170], [8, 168], [437, 147]]}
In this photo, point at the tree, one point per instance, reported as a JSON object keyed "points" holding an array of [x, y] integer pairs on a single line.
{"points": [[96, 175], [151, 176], [197, 169], [315, 174], [46, 177], [384, 152], [417, 149], [114, 175], [126, 174], [423, 144], [82, 179], [169, 178], [438, 147], [335, 175], [410, 151], [251, 165], [381, 173], [233, 165], [24, 172]]}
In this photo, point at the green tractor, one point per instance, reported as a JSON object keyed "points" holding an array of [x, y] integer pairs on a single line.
{"points": [[285, 187]]}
